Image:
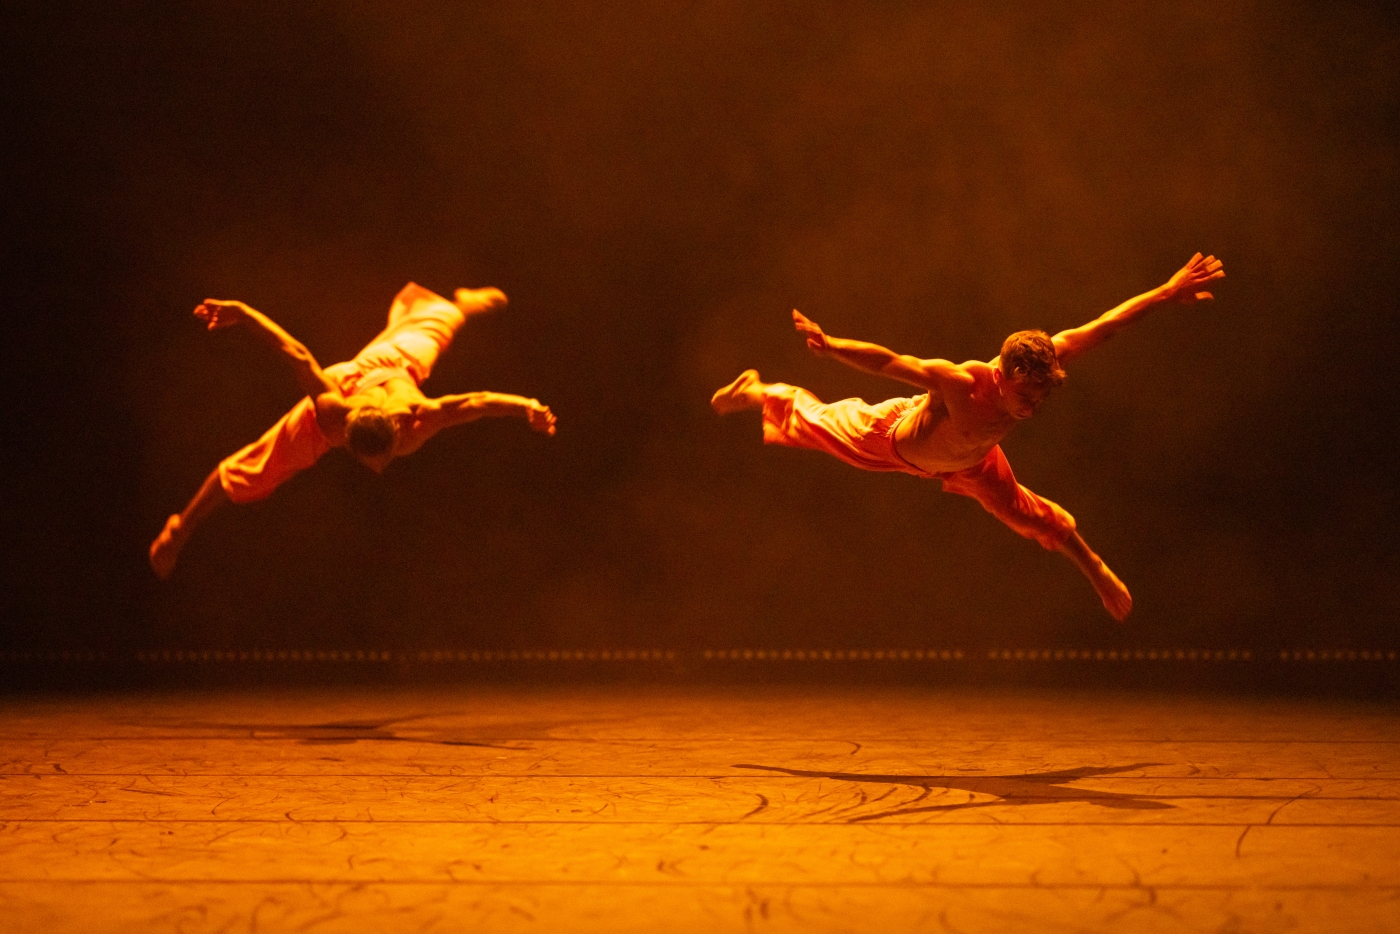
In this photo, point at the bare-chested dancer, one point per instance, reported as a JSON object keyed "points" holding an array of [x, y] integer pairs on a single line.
{"points": [[952, 432], [370, 405]]}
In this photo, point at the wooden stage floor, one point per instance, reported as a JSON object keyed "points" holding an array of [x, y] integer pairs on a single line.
{"points": [[510, 808]]}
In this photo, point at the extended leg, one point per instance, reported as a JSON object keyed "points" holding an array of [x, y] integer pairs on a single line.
{"points": [[993, 484], [293, 444], [475, 301], [421, 326], [746, 392], [1111, 591], [178, 528]]}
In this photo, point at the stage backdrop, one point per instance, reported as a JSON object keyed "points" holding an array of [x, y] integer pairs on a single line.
{"points": [[656, 186]]}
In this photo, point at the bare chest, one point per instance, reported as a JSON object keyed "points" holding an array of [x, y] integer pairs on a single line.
{"points": [[943, 437]]}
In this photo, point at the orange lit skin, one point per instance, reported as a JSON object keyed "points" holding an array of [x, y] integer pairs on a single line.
{"points": [[415, 417], [971, 406]]}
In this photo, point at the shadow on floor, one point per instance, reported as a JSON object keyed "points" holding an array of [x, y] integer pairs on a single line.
{"points": [[1029, 788], [502, 735]]}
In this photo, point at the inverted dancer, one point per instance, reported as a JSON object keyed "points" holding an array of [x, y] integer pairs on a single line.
{"points": [[370, 405], [951, 433]]}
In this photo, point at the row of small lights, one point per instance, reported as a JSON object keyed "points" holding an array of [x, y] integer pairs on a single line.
{"points": [[1337, 655], [833, 655], [1115, 655], [667, 655], [360, 655]]}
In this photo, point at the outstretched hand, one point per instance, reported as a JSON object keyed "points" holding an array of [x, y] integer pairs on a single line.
{"points": [[216, 313], [816, 339], [540, 417], [1185, 286]]}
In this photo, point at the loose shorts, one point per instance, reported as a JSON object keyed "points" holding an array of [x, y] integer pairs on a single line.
{"points": [[863, 435]]}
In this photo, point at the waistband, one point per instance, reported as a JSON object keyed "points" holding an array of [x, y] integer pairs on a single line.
{"points": [[904, 411]]}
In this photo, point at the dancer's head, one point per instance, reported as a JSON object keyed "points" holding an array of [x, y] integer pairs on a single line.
{"points": [[1026, 371], [369, 433]]}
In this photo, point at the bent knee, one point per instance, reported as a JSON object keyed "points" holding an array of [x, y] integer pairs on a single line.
{"points": [[1031, 517]]}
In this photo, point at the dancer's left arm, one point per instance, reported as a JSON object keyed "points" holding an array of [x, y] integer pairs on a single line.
{"points": [[1186, 286], [216, 313], [433, 415], [872, 358]]}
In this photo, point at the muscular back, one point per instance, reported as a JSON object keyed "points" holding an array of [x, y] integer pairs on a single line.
{"points": [[400, 399]]}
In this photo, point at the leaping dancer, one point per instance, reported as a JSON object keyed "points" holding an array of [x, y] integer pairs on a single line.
{"points": [[370, 405], [951, 432]]}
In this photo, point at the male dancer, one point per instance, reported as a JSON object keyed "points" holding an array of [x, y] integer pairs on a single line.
{"points": [[370, 405], [951, 432]]}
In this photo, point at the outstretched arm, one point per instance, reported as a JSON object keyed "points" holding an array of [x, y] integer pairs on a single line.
{"points": [[1187, 287], [872, 358], [434, 415], [221, 314]]}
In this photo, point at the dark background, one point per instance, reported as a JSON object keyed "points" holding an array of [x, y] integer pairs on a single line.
{"points": [[655, 185]]}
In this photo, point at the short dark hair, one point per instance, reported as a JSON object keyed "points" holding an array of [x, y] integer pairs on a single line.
{"points": [[1030, 356], [368, 431]]}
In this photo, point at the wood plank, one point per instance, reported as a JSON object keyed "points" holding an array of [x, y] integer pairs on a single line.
{"points": [[449, 756], [331, 908], [740, 713], [755, 798], [964, 854]]}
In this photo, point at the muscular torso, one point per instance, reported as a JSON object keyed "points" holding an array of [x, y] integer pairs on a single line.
{"points": [[955, 426]]}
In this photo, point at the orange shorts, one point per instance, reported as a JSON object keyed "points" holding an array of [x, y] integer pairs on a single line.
{"points": [[863, 435], [420, 328]]}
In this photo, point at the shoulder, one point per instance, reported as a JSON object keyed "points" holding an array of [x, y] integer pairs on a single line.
{"points": [[953, 374], [331, 411], [417, 426], [979, 369], [976, 373], [943, 369]]}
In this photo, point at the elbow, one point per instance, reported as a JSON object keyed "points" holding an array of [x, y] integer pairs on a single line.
{"points": [[472, 401]]}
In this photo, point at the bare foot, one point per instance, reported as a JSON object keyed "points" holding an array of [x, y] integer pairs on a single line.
{"points": [[1112, 592], [1110, 589], [746, 392], [472, 301], [166, 548]]}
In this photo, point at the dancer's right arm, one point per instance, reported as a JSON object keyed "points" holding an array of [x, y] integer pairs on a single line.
{"points": [[221, 314], [872, 358], [433, 415]]}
